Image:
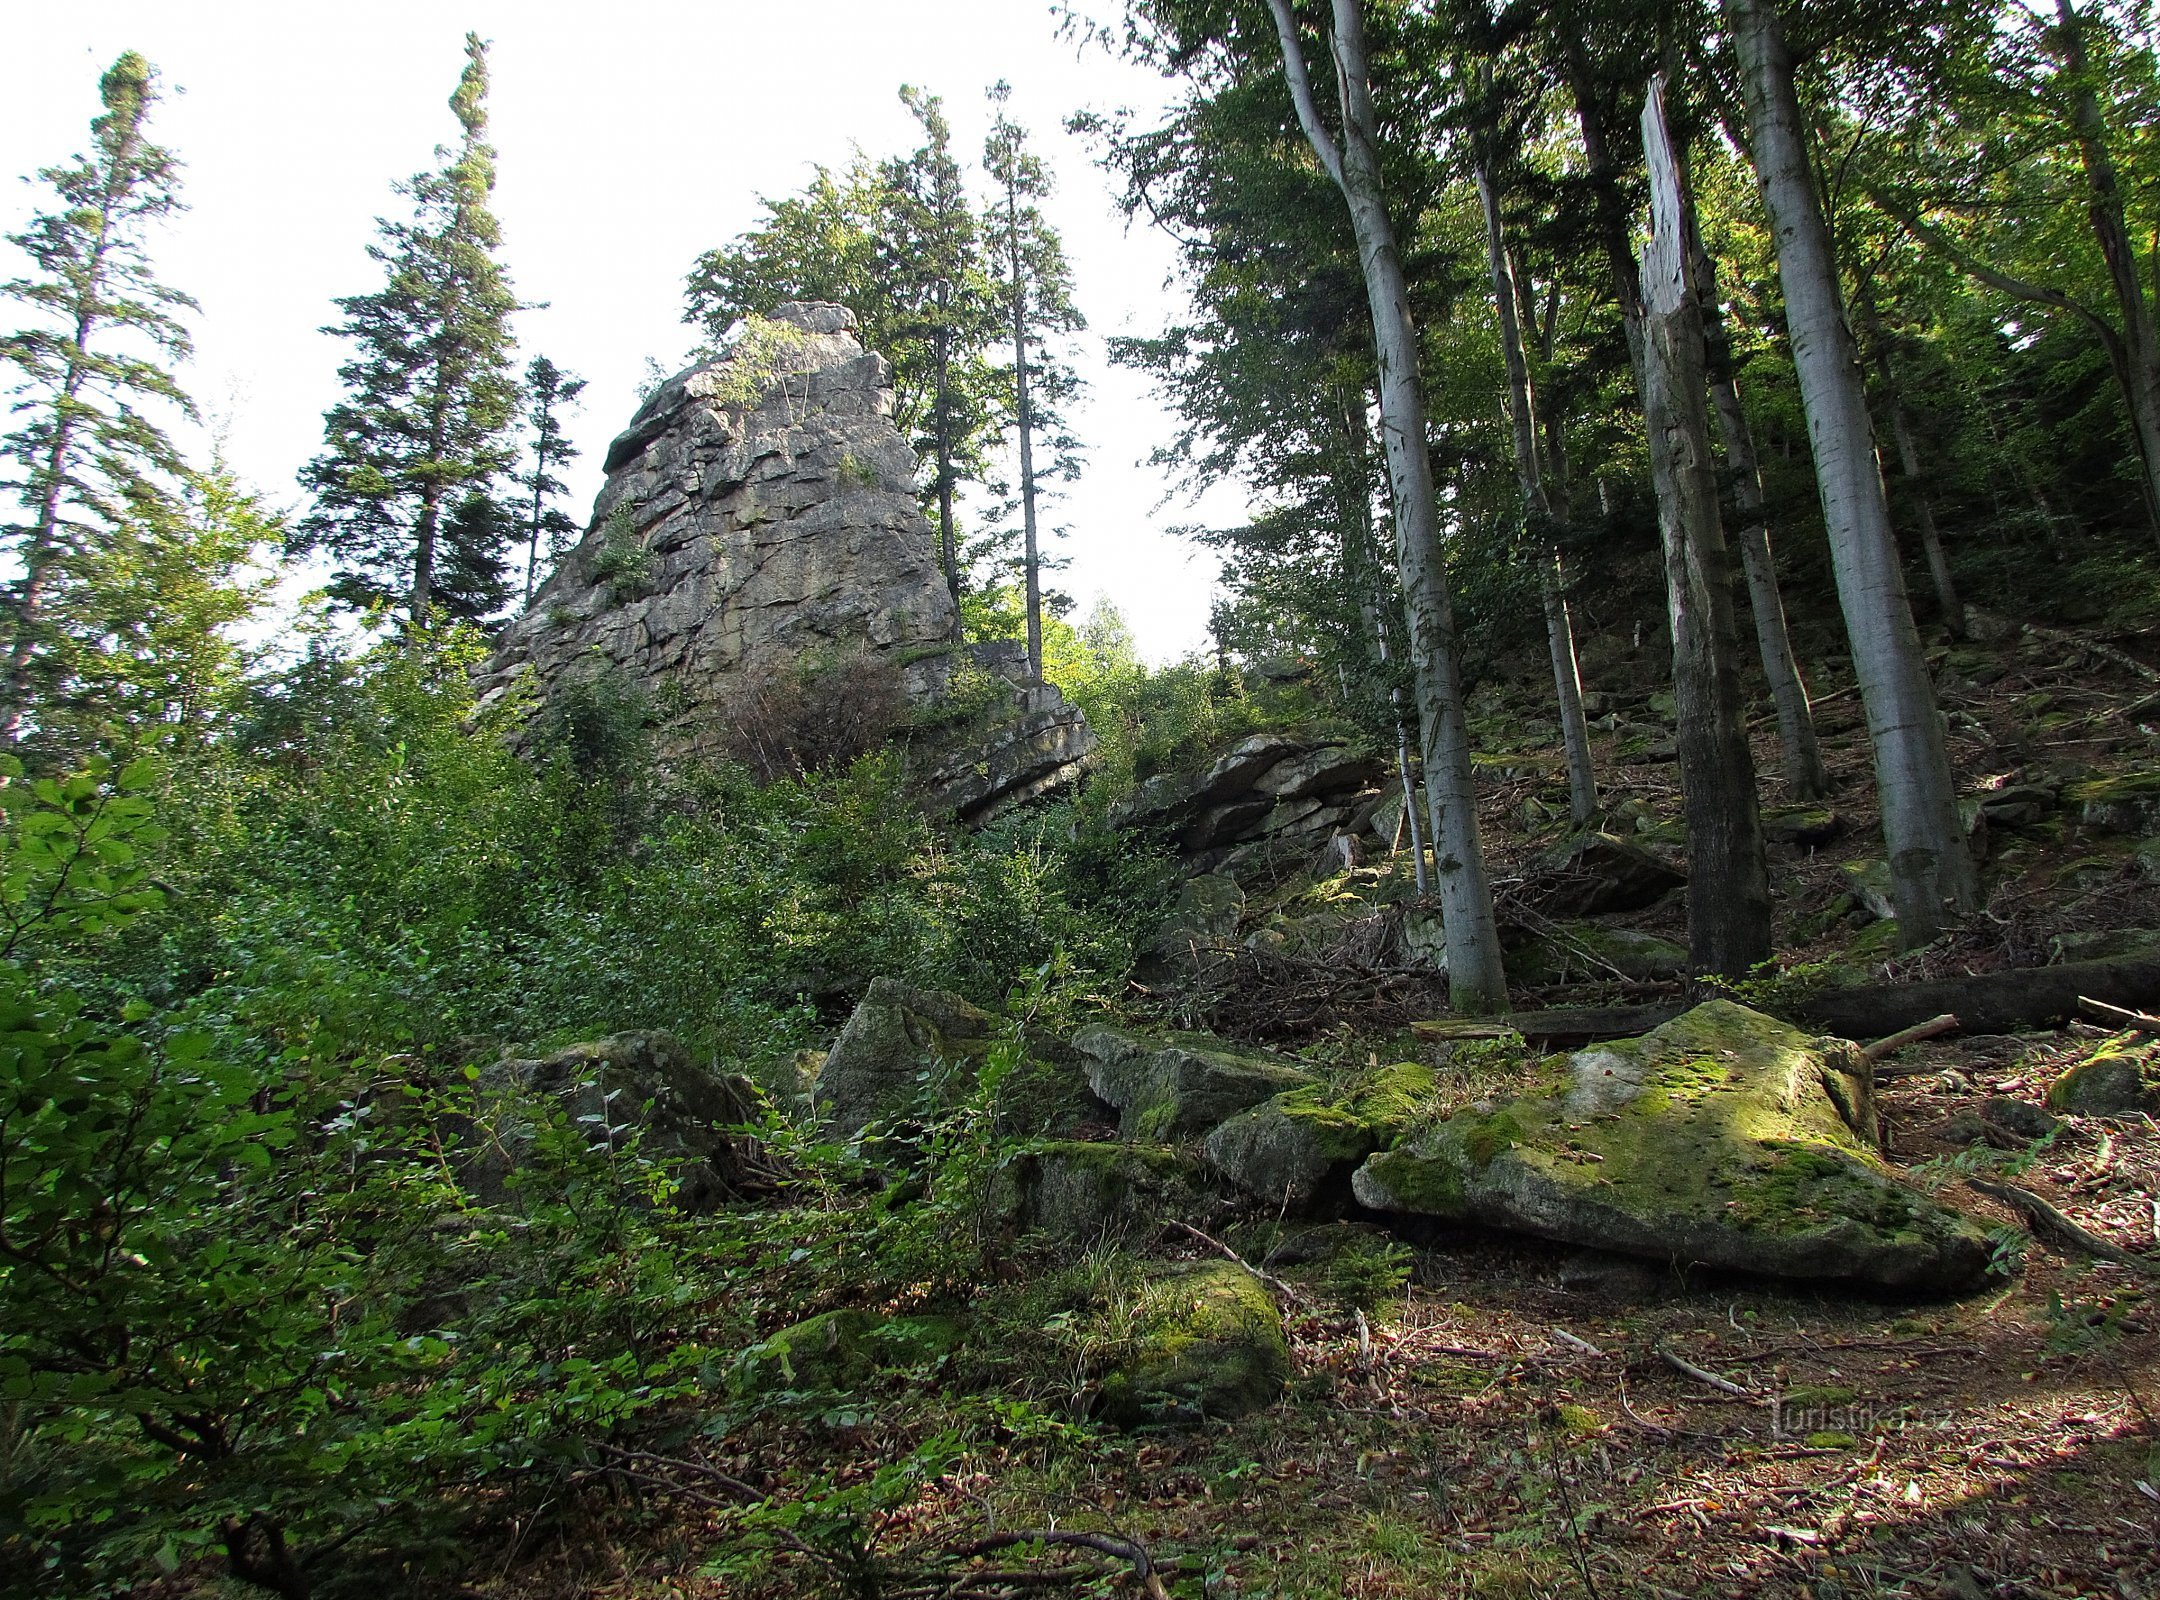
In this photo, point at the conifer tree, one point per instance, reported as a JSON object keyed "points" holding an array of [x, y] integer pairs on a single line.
{"points": [[549, 391], [934, 260], [88, 455], [430, 395], [1037, 291]]}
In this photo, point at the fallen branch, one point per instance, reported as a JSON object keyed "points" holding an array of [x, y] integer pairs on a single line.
{"points": [[1229, 1254], [1114, 1545], [1934, 1027], [2119, 1016], [1682, 1365], [2057, 1231]]}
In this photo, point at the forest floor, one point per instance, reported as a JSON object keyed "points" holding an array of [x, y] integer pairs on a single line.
{"points": [[1490, 1430]]}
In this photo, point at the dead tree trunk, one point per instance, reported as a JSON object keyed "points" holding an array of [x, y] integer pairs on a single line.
{"points": [[1729, 889]]}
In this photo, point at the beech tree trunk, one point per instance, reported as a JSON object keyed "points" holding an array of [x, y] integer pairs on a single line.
{"points": [[1538, 510], [1729, 880], [1931, 870], [1805, 776], [1026, 423], [1476, 980]]}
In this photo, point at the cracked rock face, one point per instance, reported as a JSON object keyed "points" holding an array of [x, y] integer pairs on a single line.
{"points": [[759, 514]]}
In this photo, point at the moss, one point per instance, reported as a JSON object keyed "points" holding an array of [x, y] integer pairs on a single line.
{"points": [[1831, 1440], [1207, 1342], [1714, 1139], [1818, 1394], [2116, 788], [846, 1349], [2115, 1079]]}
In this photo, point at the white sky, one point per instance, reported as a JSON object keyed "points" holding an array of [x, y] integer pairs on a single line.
{"points": [[629, 139]]}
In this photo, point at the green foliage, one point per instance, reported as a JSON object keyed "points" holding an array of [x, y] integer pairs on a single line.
{"points": [[74, 854], [430, 397], [622, 562], [87, 459]]}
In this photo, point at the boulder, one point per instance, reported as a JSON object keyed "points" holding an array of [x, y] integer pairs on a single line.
{"points": [[1868, 882], [2019, 1118], [1206, 1344], [1175, 1086], [1285, 1150], [2126, 802], [844, 1350], [1320, 771], [2118, 1079], [1594, 873], [1203, 918], [645, 1085], [1085, 1191], [1724, 1138], [1801, 827], [1587, 950], [901, 1047]]}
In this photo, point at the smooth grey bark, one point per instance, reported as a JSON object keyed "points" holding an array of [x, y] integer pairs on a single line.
{"points": [[1931, 869], [1364, 572], [1508, 298], [1806, 778], [1729, 879], [1476, 980]]}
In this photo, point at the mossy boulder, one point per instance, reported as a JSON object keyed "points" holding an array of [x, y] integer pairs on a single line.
{"points": [[2123, 802], [1079, 1190], [1174, 1086], [645, 1084], [902, 1049], [2117, 1079], [1204, 1342], [1597, 872], [1724, 1138], [1286, 1149], [1801, 827], [844, 1350]]}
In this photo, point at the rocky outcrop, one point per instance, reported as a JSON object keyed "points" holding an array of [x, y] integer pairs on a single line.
{"points": [[1179, 1085], [1268, 801], [1724, 1138], [1032, 743], [760, 518]]}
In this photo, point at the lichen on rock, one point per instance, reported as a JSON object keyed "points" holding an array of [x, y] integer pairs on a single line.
{"points": [[1724, 1138]]}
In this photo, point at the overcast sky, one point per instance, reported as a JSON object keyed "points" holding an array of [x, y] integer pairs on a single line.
{"points": [[630, 138]]}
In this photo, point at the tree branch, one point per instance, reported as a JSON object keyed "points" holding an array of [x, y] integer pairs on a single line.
{"points": [[1301, 95]]}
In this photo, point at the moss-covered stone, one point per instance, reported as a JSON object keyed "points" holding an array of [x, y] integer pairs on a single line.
{"points": [[901, 1048], [1724, 1138], [1284, 1150], [2115, 1080], [2123, 802], [843, 1350], [1081, 1190], [1173, 1086], [1205, 1342]]}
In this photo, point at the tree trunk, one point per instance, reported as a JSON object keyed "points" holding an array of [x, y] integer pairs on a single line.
{"points": [[948, 540], [2140, 344], [1805, 776], [1931, 870], [1537, 510], [1360, 556], [1946, 595], [1027, 441], [1729, 882], [1476, 979]]}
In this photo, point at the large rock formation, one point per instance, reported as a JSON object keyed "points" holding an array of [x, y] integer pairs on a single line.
{"points": [[759, 518]]}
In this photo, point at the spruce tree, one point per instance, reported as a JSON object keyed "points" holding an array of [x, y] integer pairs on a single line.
{"points": [[934, 257], [88, 456], [549, 391], [1036, 286], [430, 397]]}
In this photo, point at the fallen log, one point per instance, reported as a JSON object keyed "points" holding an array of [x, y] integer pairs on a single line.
{"points": [[1992, 1002], [1989, 1002]]}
